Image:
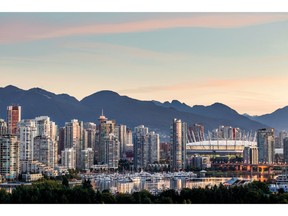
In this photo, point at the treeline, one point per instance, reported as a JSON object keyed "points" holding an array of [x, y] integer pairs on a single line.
{"points": [[53, 192]]}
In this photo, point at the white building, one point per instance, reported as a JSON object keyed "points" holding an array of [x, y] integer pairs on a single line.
{"points": [[69, 158], [28, 132], [9, 157], [45, 151], [73, 138], [87, 159]]}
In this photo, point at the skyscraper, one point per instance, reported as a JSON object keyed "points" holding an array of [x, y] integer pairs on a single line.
{"points": [[73, 138], [61, 140], [45, 150], [87, 159], [112, 155], [266, 145], [122, 137], [68, 158], [9, 157], [179, 140], [3, 127], [250, 155], [28, 132], [153, 148], [285, 149], [13, 117], [140, 146], [146, 147], [105, 128]]}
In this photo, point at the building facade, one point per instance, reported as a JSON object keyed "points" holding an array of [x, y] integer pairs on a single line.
{"points": [[68, 158], [250, 155], [179, 140], [9, 157], [74, 138], [87, 159], [285, 150], [3, 127], [13, 117], [266, 145]]}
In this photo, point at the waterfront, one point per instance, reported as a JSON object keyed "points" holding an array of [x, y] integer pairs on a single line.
{"points": [[155, 183]]}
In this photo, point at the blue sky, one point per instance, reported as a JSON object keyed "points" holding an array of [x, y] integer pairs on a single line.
{"points": [[239, 59]]}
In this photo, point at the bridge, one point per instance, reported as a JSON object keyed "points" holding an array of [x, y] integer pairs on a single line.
{"points": [[259, 168]]}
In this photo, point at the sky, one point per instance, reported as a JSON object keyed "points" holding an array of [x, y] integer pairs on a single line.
{"points": [[239, 59]]}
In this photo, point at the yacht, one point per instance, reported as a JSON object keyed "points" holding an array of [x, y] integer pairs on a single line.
{"points": [[281, 179]]}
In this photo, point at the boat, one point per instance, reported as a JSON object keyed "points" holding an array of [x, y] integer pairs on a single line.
{"points": [[125, 180], [281, 179]]}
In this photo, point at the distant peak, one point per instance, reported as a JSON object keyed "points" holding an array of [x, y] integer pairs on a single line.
{"points": [[108, 92], [218, 104], [11, 87], [175, 102]]}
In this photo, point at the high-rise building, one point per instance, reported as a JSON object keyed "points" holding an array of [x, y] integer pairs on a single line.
{"points": [[105, 128], [121, 134], [250, 155], [164, 152], [90, 128], [285, 149], [282, 135], [146, 147], [45, 150], [68, 158], [3, 127], [87, 159], [153, 148], [9, 157], [112, 156], [61, 140], [140, 146], [179, 139], [266, 145], [28, 132], [74, 138], [13, 117]]}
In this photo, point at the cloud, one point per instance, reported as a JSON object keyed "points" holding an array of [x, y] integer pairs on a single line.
{"points": [[23, 31], [258, 87]]}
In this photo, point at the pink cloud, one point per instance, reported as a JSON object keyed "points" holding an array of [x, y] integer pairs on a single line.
{"points": [[19, 31]]}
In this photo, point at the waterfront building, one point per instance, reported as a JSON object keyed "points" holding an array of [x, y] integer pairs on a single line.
{"points": [[13, 117], [266, 145], [179, 140], [9, 157], [285, 149], [200, 162], [153, 148], [250, 155]]}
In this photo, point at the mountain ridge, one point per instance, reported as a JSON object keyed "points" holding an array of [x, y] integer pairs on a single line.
{"points": [[125, 110]]}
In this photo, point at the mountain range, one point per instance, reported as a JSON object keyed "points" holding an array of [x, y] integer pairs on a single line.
{"points": [[125, 110]]}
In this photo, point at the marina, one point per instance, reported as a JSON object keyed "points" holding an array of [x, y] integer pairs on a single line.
{"points": [[154, 183]]}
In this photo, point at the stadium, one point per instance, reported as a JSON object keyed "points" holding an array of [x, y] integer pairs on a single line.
{"points": [[219, 147]]}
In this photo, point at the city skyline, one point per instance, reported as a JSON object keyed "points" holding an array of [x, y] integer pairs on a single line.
{"points": [[197, 58]]}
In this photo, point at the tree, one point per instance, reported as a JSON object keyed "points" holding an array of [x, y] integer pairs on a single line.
{"points": [[65, 181]]}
